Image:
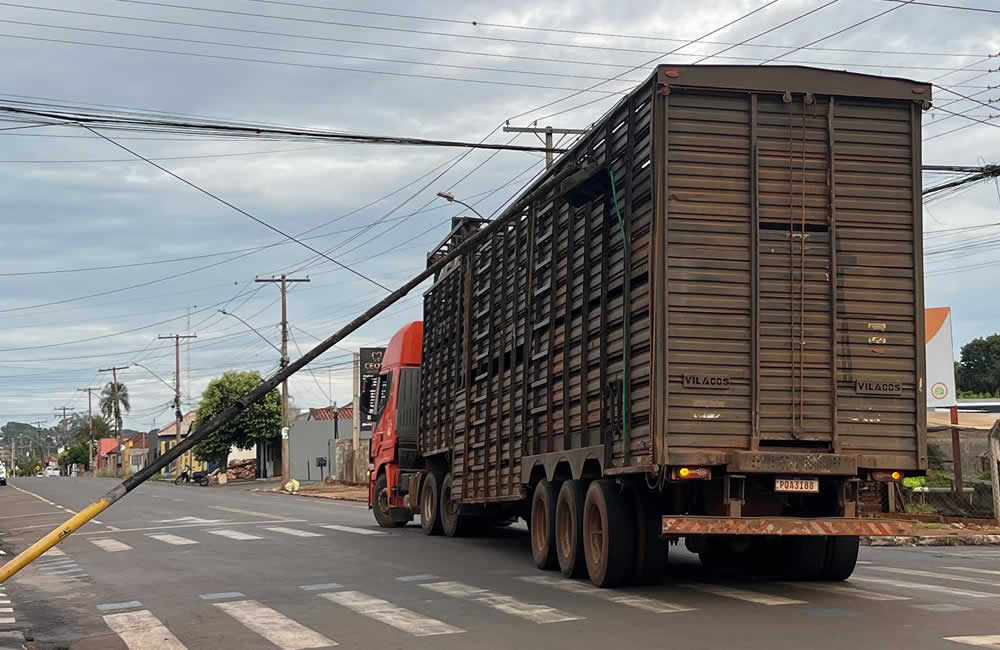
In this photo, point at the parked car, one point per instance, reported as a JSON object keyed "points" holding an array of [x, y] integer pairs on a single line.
{"points": [[3, 474], [52, 471]]}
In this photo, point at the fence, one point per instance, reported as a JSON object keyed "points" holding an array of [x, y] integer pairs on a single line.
{"points": [[961, 480]]}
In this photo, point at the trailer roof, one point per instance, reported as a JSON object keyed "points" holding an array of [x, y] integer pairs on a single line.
{"points": [[793, 78]]}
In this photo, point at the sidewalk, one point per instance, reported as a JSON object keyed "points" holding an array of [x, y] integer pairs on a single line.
{"points": [[337, 491], [942, 534]]}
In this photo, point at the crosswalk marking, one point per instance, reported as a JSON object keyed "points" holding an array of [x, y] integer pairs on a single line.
{"points": [[234, 534], [176, 540], [321, 587], [292, 531], [110, 545], [107, 607], [142, 631], [352, 529], [8, 620], [274, 626], [501, 602], [844, 590], [991, 572], [934, 574], [385, 612], [905, 584], [622, 598], [744, 594], [987, 641]]}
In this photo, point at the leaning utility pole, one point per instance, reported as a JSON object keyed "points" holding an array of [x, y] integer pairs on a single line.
{"points": [[284, 280], [548, 131], [118, 430], [178, 414], [90, 425]]}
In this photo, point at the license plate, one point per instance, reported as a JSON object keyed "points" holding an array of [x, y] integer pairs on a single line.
{"points": [[796, 485]]}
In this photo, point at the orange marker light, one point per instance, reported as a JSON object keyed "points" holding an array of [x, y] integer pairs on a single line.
{"points": [[896, 476], [685, 472]]}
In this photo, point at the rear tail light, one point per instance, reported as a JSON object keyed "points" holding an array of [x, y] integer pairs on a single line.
{"points": [[887, 476], [687, 473]]}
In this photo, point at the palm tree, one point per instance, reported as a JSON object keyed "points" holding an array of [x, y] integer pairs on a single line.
{"points": [[114, 398]]}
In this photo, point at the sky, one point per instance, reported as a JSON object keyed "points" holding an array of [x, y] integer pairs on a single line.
{"points": [[71, 201]]}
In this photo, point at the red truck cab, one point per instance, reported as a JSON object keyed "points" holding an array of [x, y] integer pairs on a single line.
{"points": [[394, 437]]}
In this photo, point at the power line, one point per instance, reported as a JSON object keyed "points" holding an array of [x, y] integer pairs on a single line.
{"points": [[838, 32], [473, 23], [942, 5], [162, 158], [537, 73]]}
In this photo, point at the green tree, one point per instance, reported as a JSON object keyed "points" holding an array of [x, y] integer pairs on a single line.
{"points": [[257, 424], [80, 429], [979, 368], [114, 400], [75, 454]]}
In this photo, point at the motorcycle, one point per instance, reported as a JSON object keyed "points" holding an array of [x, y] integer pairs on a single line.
{"points": [[187, 476]]}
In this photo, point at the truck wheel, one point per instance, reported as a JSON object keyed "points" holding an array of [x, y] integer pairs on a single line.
{"points": [[569, 529], [650, 549], [381, 505], [841, 557], [608, 534], [453, 523], [542, 525], [430, 504], [804, 557]]}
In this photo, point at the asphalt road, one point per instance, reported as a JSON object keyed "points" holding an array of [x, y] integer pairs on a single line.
{"points": [[188, 567]]}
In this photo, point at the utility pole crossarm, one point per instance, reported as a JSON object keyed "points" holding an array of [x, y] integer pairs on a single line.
{"points": [[548, 131]]}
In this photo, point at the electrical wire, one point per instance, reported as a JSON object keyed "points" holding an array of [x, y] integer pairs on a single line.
{"points": [[946, 6]]}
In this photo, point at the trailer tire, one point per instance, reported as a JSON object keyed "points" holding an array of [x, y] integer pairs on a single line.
{"points": [[542, 525], [841, 557], [803, 557], [453, 522], [650, 549], [430, 504], [608, 534], [569, 529], [381, 504]]}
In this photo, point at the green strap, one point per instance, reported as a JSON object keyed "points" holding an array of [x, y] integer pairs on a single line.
{"points": [[625, 313]]}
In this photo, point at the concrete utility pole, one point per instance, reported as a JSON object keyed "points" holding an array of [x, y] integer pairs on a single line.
{"points": [[65, 424], [90, 425], [284, 280], [178, 414], [118, 430], [356, 438], [548, 131], [39, 437]]}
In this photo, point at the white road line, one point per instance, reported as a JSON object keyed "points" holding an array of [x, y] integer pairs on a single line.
{"points": [[500, 602], [4, 602], [234, 534], [398, 617], [417, 578], [991, 572], [861, 562], [351, 529], [142, 631], [107, 607], [905, 584], [934, 574], [175, 526], [622, 598], [176, 540], [295, 532], [844, 590], [221, 595], [744, 594], [7, 610], [245, 512], [322, 587], [53, 552], [40, 498], [110, 545], [988, 641], [274, 626], [8, 620]]}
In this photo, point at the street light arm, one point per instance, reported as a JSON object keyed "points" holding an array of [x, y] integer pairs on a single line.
{"points": [[136, 363], [252, 328], [450, 198]]}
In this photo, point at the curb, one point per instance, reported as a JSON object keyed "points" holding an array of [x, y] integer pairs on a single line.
{"points": [[933, 540]]}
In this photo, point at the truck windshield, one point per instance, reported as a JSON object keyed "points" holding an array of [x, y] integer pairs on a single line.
{"points": [[384, 383]]}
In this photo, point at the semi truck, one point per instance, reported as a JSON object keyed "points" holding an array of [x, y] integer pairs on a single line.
{"points": [[704, 322]]}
